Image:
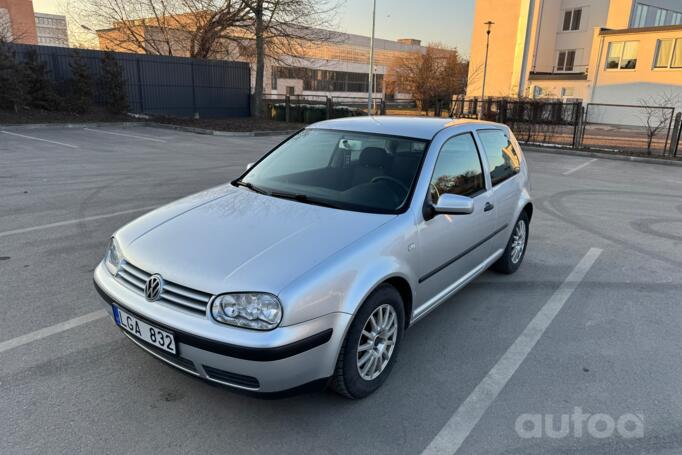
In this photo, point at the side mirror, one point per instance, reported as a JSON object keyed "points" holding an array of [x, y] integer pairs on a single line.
{"points": [[249, 166], [454, 204]]}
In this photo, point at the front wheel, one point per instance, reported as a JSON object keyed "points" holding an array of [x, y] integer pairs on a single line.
{"points": [[516, 247], [371, 345]]}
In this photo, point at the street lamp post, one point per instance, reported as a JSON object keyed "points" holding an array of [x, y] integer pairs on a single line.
{"points": [[371, 60], [485, 65]]}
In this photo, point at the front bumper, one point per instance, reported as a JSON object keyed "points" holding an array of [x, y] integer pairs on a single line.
{"points": [[264, 362]]}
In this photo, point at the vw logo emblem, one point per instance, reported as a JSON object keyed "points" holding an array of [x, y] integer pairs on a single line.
{"points": [[153, 288]]}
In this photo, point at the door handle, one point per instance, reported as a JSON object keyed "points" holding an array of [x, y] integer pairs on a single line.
{"points": [[488, 207]]}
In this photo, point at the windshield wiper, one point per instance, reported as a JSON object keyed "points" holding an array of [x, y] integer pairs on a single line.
{"points": [[250, 186], [304, 199]]}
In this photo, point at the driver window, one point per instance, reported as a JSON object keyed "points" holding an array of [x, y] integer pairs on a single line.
{"points": [[458, 169]]}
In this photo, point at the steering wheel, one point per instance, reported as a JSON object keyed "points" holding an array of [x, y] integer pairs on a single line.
{"points": [[391, 180]]}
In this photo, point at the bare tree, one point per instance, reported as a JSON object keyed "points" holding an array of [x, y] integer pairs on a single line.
{"points": [[194, 28], [283, 28], [657, 114], [11, 33], [255, 29], [431, 77], [6, 34]]}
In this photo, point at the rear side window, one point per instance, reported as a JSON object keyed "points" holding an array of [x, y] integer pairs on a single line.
{"points": [[458, 169], [503, 161]]}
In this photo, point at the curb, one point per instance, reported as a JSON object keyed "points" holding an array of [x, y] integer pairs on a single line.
{"points": [[607, 156], [191, 129], [35, 126], [188, 129]]}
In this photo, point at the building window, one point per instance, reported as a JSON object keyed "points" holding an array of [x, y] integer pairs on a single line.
{"points": [[565, 61], [640, 15], [622, 55], [660, 17], [651, 16], [664, 50], [676, 61], [316, 80], [668, 53], [572, 19], [568, 92]]}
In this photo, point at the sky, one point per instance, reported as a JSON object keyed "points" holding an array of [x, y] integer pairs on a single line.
{"points": [[445, 21]]}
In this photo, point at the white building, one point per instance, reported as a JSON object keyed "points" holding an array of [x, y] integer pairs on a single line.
{"points": [[52, 30], [606, 51]]}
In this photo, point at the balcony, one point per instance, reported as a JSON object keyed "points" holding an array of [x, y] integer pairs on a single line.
{"points": [[576, 73]]}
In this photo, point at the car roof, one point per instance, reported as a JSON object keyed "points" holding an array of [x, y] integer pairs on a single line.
{"points": [[414, 127]]}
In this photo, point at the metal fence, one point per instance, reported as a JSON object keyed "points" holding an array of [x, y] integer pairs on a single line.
{"points": [[646, 130], [161, 85], [628, 128], [533, 121]]}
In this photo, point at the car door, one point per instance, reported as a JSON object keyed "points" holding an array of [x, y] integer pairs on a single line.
{"points": [[504, 167], [451, 246]]}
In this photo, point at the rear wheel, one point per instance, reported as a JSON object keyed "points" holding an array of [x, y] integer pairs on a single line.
{"points": [[371, 345], [516, 247]]}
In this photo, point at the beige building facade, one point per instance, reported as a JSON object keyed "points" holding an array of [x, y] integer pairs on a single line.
{"points": [[605, 51], [335, 66]]}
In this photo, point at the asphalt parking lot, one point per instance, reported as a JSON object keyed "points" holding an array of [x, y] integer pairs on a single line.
{"points": [[70, 382]]}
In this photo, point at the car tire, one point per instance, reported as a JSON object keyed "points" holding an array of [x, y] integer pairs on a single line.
{"points": [[348, 379], [513, 257]]}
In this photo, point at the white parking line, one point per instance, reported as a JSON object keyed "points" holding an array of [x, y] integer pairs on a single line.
{"points": [[52, 330], [463, 421], [571, 171], [39, 139], [79, 220], [145, 138]]}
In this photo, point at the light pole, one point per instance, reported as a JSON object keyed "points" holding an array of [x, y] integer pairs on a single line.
{"points": [[371, 60], [485, 65]]}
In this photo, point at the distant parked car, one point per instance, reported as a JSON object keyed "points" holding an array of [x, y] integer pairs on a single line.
{"points": [[308, 268]]}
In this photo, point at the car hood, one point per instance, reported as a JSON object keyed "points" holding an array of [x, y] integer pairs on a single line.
{"points": [[232, 239]]}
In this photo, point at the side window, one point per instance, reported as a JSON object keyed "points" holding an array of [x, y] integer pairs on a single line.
{"points": [[503, 162], [458, 169]]}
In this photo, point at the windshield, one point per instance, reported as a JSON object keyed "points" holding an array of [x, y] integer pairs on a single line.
{"points": [[346, 170]]}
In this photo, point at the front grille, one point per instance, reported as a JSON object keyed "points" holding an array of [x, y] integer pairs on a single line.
{"points": [[172, 294], [241, 380]]}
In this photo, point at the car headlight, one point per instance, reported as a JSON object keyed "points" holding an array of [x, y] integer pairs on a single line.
{"points": [[251, 310], [113, 257]]}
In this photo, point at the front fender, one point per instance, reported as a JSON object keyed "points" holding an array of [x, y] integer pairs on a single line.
{"points": [[343, 282]]}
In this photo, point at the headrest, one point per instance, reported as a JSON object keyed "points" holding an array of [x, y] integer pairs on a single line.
{"points": [[373, 157]]}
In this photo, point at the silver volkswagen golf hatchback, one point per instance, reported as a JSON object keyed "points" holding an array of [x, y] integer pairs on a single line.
{"points": [[308, 269]]}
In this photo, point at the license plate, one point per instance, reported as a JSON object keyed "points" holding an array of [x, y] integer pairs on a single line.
{"points": [[152, 335]]}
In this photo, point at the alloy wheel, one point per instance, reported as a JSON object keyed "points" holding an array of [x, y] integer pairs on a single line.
{"points": [[518, 241], [377, 342]]}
